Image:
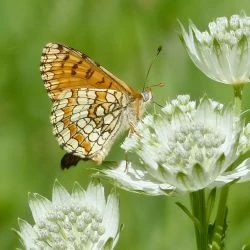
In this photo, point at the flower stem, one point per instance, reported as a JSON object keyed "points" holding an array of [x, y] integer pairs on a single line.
{"points": [[220, 221], [198, 204]]}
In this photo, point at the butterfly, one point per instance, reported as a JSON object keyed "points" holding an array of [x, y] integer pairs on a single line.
{"points": [[90, 106]]}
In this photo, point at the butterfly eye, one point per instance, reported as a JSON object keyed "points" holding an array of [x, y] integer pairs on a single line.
{"points": [[146, 95]]}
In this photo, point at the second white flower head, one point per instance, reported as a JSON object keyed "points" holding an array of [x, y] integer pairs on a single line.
{"points": [[223, 51], [82, 220]]}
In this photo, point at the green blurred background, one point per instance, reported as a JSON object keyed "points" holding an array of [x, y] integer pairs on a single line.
{"points": [[123, 36]]}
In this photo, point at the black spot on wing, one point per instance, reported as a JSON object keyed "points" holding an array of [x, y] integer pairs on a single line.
{"points": [[66, 57]]}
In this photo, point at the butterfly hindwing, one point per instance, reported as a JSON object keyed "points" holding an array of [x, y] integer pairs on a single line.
{"points": [[85, 121]]}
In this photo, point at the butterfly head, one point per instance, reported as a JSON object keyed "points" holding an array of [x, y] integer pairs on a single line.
{"points": [[146, 95]]}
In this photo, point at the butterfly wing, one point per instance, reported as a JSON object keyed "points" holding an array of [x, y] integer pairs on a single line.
{"points": [[63, 68], [89, 103], [86, 121]]}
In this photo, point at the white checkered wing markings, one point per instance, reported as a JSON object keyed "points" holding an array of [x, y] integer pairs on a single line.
{"points": [[85, 124], [107, 133]]}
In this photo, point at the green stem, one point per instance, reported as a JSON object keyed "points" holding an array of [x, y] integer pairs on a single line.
{"points": [[220, 221], [198, 204]]}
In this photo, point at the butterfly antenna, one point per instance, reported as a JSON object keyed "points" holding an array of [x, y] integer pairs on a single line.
{"points": [[150, 66], [156, 103]]}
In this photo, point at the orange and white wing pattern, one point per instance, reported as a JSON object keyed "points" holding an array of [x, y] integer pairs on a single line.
{"points": [[86, 121], [90, 105], [65, 68]]}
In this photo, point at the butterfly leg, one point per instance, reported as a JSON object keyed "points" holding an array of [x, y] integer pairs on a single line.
{"points": [[133, 130], [126, 165]]}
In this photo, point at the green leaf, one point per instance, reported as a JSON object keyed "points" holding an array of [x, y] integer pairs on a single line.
{"points": [[218, 235], [189, 214]]}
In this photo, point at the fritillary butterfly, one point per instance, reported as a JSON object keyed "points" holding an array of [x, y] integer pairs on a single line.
{"points": [[91, 106]]}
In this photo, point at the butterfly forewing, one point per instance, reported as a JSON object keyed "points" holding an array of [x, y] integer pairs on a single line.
{"points": [[90, 105], [63, 68]]}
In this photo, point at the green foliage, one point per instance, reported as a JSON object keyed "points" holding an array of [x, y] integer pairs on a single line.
{"points": [[123, 36]]}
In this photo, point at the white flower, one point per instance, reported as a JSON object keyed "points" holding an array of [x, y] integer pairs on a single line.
{"points": [[81, 220], [185, 148], [223, 51]]}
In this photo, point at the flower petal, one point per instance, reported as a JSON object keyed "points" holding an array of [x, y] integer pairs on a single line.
{"points": [[39, 206], [241, 173], [95, 195], [27, 234], [111, 217], [60, 196], [136, 179]]}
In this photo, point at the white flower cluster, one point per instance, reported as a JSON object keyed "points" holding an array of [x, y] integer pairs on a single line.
{"points": [[221, 52], [185, 148], [82, 220]]}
